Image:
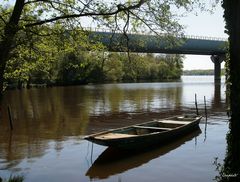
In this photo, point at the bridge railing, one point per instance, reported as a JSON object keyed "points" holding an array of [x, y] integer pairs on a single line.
{"points": [[160, 34]]}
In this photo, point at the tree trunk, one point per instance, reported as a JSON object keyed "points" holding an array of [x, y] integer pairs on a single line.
{"points": [[2, 68], [232, 18], [5, 48], [6, 45], [234, 64]]}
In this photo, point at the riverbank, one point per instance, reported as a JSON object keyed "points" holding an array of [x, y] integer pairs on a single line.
{"points": [[45, 85]]}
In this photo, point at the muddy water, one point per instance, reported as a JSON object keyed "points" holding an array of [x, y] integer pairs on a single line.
{"points": [[46, 143]]}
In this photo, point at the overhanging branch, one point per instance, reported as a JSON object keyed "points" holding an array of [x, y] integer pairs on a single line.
{"points": [[120, 8]]}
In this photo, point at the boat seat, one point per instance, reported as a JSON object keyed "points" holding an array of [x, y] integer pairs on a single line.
{"points": [[153, 128], [174, 122], [113, 135]]}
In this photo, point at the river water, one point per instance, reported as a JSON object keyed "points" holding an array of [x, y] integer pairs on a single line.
{"points": [[49, 123]]}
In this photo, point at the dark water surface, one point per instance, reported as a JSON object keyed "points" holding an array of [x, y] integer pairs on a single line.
{"points": [[49, 123]]}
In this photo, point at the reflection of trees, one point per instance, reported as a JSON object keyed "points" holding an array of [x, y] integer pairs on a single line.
{"points": [[48, 112], [132, 99], [40, 115], [15, 147], [114, 96], [44, 114], [117, 98]]}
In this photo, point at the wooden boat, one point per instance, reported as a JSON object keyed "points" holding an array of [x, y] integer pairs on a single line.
{"points": [[146, 134]]}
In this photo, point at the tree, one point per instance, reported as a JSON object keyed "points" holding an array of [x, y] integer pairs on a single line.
{"points": [[232, 17], [113, 67], [28, 16]]}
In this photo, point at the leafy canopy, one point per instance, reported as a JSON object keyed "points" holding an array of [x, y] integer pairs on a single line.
{"points": [[154, 15]]}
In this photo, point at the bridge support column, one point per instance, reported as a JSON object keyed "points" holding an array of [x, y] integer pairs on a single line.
{"points": [[217, 60]]}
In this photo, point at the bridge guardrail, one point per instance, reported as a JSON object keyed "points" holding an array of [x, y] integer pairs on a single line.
{"points": [[161, 34]]}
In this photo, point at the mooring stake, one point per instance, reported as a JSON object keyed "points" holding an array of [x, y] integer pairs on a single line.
{"points": [[205, 104], [205, 129], [10, 118], [196, 104]]}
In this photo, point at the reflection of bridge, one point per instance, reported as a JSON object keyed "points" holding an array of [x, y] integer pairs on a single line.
{"points": [[118, 42]]}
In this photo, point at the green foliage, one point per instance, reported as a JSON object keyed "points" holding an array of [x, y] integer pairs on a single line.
{"points": [[81, 67], [39, 57], [73, 68], [13, 179], [144, 67], [113, 67]]}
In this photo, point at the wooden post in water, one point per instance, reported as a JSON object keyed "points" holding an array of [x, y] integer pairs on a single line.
{"points": [[205, 104], [205, 129], [10, 118], [196, 104]]}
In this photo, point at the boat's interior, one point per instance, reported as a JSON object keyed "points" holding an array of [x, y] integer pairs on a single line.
{"points": [[151, 127]]}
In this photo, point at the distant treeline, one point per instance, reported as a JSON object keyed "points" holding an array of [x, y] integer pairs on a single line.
{"points": [[74, 68], [202, 72]]}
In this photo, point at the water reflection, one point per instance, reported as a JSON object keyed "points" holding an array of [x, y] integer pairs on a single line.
{"points": [[217, 101], [53, 114], [113, 161]]}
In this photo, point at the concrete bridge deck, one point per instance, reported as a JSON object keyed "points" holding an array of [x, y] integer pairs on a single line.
{"points": [[117, 42]]}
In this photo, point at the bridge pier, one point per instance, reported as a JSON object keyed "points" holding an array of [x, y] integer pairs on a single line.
{"points": [[217, 60]]}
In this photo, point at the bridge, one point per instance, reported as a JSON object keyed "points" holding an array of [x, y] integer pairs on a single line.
{"points": [[163, 43]]}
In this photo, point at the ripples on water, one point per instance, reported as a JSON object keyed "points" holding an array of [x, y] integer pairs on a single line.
{"points": [[46, 143]]}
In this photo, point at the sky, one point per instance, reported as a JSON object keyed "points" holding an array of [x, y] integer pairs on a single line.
{"points": [[205, 24]]}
